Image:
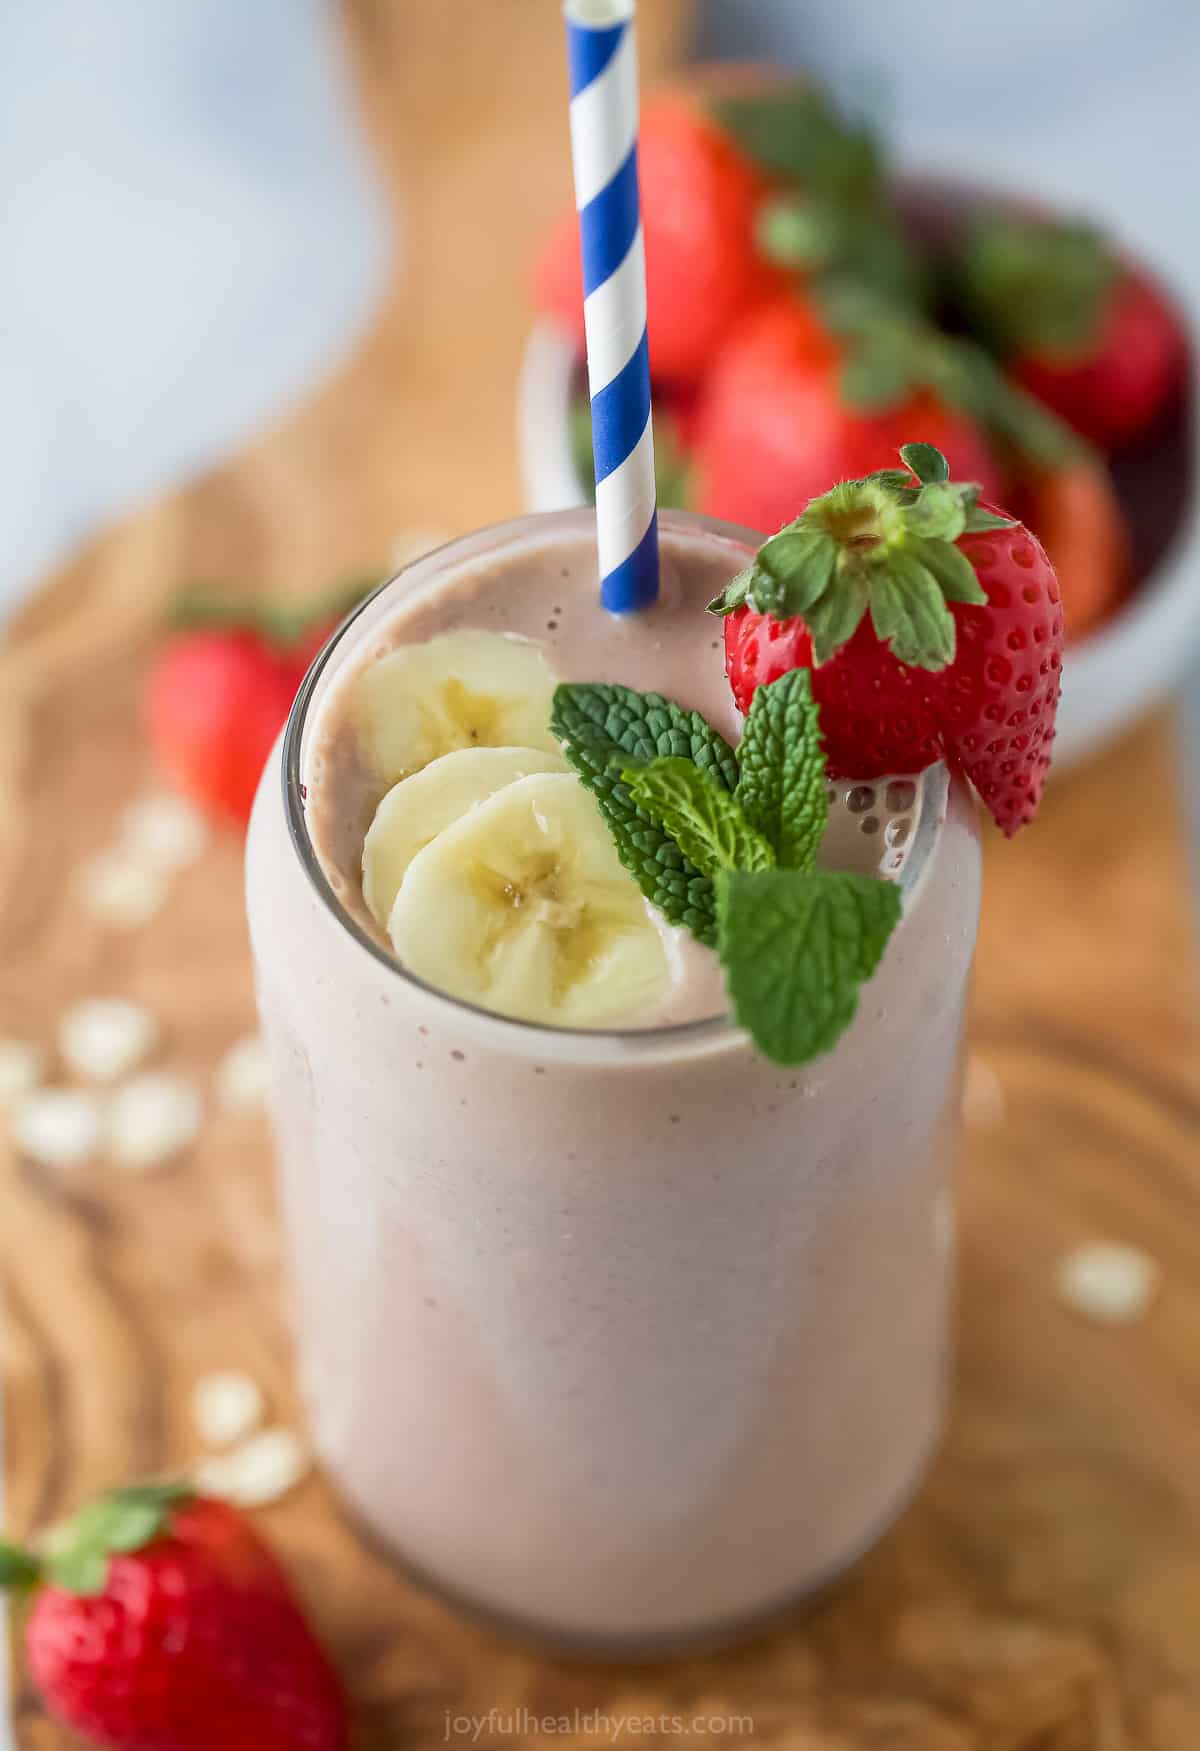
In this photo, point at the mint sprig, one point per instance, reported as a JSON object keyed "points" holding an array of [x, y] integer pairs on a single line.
{"points": [[608, 729], [782, 784], [1035, 285], [706, 821], [796, 947], [725, 845]]}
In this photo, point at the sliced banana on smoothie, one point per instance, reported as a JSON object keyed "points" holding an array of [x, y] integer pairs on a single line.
{"points": [[467, 689], [417, 809], [523, 907]]}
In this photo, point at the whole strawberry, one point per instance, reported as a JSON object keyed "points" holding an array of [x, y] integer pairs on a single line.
{"points": [[161, 1622], [932, 626], [221, 689], [776, 426], [215, 702], [1090, 336], [700, 199]]}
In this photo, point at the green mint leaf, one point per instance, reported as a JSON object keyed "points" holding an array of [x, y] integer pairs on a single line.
{"points": [[605, 729], [782, 787], [631, 729], [704, 819], [909, 613], [796, 948]]}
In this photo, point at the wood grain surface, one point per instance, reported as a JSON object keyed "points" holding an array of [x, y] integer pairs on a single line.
{"points": [[1043, 1594]]}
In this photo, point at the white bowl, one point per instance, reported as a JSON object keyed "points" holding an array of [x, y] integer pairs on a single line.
{"points": [[1109, 680]]}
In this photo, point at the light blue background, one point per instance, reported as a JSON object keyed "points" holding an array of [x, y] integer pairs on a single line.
{"points": [[190, 234]]}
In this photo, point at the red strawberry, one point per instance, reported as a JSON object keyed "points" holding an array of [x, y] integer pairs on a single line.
{"points": [[221, 690], [1090, 336], [961, 653], [774, 428], [878, 716], [163, 1623], [700, 197], [215, 702]]}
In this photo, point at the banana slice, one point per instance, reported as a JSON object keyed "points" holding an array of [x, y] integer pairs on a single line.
{"points": [[418, 808], [523, 907], [462, 690]]}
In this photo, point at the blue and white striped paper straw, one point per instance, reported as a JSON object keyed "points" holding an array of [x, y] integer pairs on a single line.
{"points": [[601, 48]]}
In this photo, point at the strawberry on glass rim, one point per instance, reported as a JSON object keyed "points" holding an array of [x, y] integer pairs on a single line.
{"points": [[932, 625]]}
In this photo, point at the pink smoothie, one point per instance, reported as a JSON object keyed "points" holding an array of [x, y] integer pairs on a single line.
{"points": [[629, 1337]]}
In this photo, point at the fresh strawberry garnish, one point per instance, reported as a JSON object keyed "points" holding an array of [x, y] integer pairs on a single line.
{"points": [[161, 1622], [1075, 510], [700, 197], [215, 702], [932, 625], [1090, 336], [776, 425], [878, 716]]}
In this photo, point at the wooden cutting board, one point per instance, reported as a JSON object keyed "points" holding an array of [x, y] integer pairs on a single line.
{"points": [[1044, 1592]]}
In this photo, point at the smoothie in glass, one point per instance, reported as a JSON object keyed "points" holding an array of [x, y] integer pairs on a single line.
{"points": [[616, 1329]]}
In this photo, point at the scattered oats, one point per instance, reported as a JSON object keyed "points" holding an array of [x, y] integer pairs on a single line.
{"points": [[22, 1067], [241, 1079], [413, 544], [58, 1127], [102, 1038], [226, 1407], [119, 891], [151, 1119], [983, 1102], [1107, 1282], [261, 1471], [163, 833]]}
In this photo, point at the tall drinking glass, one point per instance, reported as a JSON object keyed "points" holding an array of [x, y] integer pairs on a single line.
{"points": [[626, 1337]]}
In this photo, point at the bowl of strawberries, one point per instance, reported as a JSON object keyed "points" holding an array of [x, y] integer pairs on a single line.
{"points": [[808, 313]]}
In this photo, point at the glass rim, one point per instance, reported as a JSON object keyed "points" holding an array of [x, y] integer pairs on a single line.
{"points": [[705, 1029]]}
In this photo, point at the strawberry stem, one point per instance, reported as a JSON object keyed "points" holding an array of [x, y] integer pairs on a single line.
{"points": [[124, 1520], [1035, 286], [20, 1570], [201, 608], [884, 545]]}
